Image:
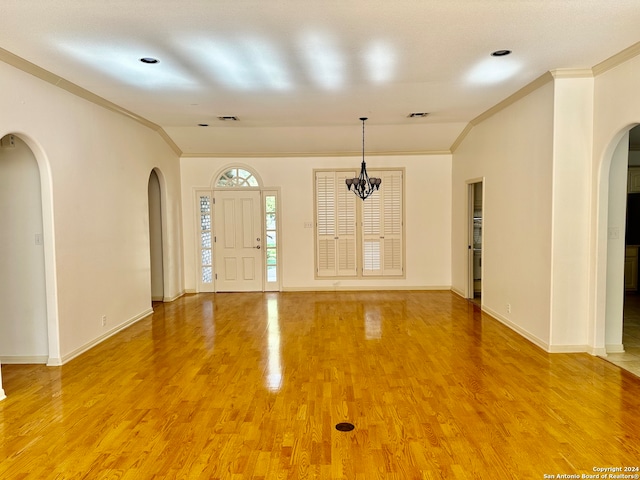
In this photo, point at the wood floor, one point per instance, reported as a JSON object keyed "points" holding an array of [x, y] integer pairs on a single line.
{"points": [[241, 386]]}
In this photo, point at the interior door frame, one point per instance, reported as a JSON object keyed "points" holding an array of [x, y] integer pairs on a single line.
{"points": [[470, 293]]}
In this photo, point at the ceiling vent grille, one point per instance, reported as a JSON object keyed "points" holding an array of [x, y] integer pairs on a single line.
{"points": [[417, 115], [228, 118]]}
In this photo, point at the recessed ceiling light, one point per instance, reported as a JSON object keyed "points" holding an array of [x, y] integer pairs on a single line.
{"points": [[203, 124], [500, 53], [228, 118], [149, 60], [417, 115]]}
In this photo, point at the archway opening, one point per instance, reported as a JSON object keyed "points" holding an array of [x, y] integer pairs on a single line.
{"points": [[24, 330], [622, 314], [156, 238]]}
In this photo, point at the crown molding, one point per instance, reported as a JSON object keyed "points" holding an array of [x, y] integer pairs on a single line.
{"points": [[572, 73], [461, 137], [312, 154], [617, 59], [510, 100], [39, 72]]}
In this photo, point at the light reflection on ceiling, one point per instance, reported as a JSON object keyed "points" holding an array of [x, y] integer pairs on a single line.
{"points": [[248, 63], [492, 70], [124, 65]]}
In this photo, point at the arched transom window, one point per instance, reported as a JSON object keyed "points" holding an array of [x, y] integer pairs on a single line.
{"points": [[237, 177]]}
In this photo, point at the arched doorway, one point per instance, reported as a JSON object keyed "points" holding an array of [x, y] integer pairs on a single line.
{"points": [[156, 236], [24, 317], [622, 246]]}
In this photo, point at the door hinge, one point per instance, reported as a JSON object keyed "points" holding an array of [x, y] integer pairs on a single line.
{"points": [[214, 200], [215, 239], [216, 276]]}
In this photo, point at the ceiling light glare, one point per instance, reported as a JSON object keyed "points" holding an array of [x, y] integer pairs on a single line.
{"points": [[268, 65], [227, 63], [326, 64], [116, 62], [493, 70], [380, 61]]}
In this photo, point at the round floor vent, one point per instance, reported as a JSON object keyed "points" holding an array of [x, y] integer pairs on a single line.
{"points": [[345, 427]]}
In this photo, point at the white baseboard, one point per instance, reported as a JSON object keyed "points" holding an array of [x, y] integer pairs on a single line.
{"points": [[157, 299], [190, 290], [569, 349], [2, 395], [54, 362], [24, 359], [460, 293], [102, 338], [541, 343], [174, 298], [598, 351], [532, 338], [614, 348], [341, 288]]}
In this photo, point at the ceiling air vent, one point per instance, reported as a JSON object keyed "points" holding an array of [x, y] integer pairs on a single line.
{"points": [[228, 118], [417, 115]]}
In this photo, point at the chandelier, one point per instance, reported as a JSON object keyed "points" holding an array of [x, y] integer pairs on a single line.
{"points": [[363, 186]]}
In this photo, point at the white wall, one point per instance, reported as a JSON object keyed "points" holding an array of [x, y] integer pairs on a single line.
{"points": [[513, 151], [427, 208], [96, 165], [23, 316], [572, 151]]}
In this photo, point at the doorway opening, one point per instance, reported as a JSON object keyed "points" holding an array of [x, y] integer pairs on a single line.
{"points": [[623, 331], [24, 329], [156, 238], [475, 218]]}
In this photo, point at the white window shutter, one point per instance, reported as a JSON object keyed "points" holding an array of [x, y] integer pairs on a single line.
{"points": [[346, 226], [392, 223], [336, 225], [371, 235], [325, 224], [337, 233], [382, 228]]}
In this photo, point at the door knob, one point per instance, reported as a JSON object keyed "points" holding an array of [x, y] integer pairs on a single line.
{"points": [[258, 247]]}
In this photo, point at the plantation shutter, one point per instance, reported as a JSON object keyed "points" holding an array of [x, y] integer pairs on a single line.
{"points": [[371, 235], [382, 228], [335, 225], [346, 226], [325, 224], [392, 222]]}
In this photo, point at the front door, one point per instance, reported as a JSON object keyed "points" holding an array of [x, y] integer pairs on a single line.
{"points": [[238, 241]]}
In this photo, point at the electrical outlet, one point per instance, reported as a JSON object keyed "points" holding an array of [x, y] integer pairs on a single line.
{"points": [[104, 320], [508, 308]]}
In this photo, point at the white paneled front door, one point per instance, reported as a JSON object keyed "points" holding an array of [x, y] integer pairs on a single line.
{"points": [[238, 241]]}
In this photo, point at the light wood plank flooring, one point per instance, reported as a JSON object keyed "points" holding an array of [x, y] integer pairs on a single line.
{"points": [[251, 386]]}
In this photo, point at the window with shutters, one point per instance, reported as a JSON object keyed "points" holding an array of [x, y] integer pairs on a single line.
{"points": [[356, 238]]}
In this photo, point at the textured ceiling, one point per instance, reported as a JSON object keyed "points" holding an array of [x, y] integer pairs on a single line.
{"points": [[283, 67]]}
